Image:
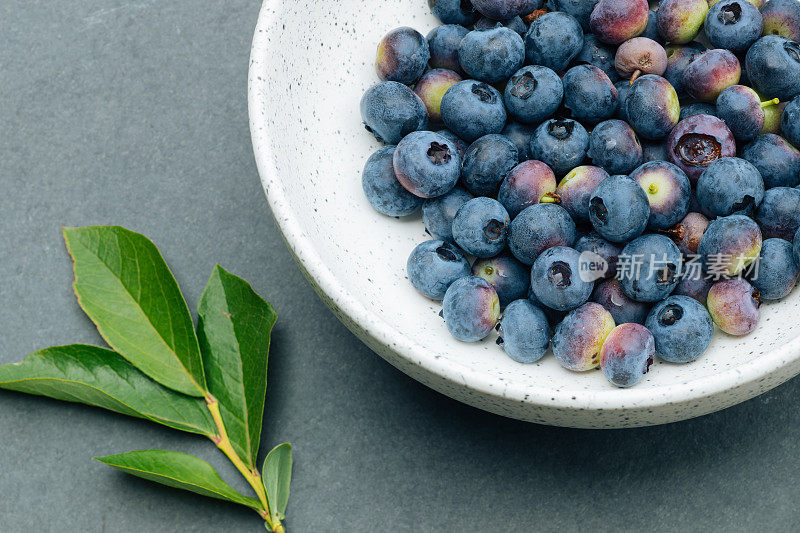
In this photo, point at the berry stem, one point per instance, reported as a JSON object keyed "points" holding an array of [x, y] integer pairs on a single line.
{"points": [[774, 101]]}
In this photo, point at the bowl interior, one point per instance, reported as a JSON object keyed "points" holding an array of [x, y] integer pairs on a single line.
{"points": [[308, 83]]}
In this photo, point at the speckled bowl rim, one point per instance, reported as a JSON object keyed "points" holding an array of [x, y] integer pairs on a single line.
{"points": [[377, 332]]}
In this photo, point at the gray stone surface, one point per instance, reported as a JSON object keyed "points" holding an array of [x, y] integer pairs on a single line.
{"points": [[134, 113]]}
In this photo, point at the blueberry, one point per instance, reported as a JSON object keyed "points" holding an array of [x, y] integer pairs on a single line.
{"points": [[773, 66], [776, 160], [538, 228], [668, 192], [431, 88], [627, 355], [625, 310], [390, 111], [577, 187], [533, 94], [427, 164], [698, 108], [679, 21], [796, 249], [782, 17], [580, 9], [491, 55], [623, 88], [382, 189], [510, 278], [638, 56], [711, 72], [616, 21], [443, 42], [698, 141], [524, 332], [470, 309], [480, 227], [654, 268], [608, 252], [779, 213], [506, 9], [579, 338], [681, 327], [434, 265], [527, 184], [651, 30], [613, 145], [777, 273], [653, 151], [652, 107], [694, 286], [734, 306], [730, 245], [688, 233], [486, 162], [790, 122], [515, 24], [472, 109], [556, 281], [521, 135], [553, 40], [403, 56], [618, 209], [742, 110], [561, 144], [733, 24], [678, 58], [598, 54], [454, 11], [554, 317], [589, 93], [438, 213], [729, 186]]}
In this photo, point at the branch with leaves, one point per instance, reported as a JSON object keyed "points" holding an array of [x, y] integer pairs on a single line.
{"points": [[210, 381]]}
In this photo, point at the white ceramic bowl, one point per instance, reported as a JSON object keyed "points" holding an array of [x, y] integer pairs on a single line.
{"points": [[310, 63]]}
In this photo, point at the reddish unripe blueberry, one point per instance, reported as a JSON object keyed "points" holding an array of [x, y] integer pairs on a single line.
{"points": [[580, 336], [734, 306], [616, 21], [782, 17], [710, 73], [688, 233], [638, 56], [577, 187], [730, 245], [698, 141], [679, 21], [694, 286], [403, 56], [627, 355], [431, 88], [528, 183]]}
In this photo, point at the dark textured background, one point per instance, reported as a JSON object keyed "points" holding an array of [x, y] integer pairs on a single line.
{"points": [[134, 113]]}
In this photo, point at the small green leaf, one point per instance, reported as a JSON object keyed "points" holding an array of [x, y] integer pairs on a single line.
{"points": [[234, 325], [180, 471], [277, 475], [126, 288], [102, 378]]}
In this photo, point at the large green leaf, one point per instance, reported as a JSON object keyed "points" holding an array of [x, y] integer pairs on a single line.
{"points": [[126, 288], [180, 471], [100, 377], [277, 476], [234, 325]]}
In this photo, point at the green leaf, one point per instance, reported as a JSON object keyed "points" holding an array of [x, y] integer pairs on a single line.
{"points": [[100, 377], [180, 471], [126, 288], [234, 325], [277, 475]]}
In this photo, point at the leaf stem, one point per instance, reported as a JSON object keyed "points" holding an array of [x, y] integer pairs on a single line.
{"points": [[252, 476]]}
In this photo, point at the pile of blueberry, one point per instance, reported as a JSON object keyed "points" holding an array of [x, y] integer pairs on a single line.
{"points": [[620, 187]]}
